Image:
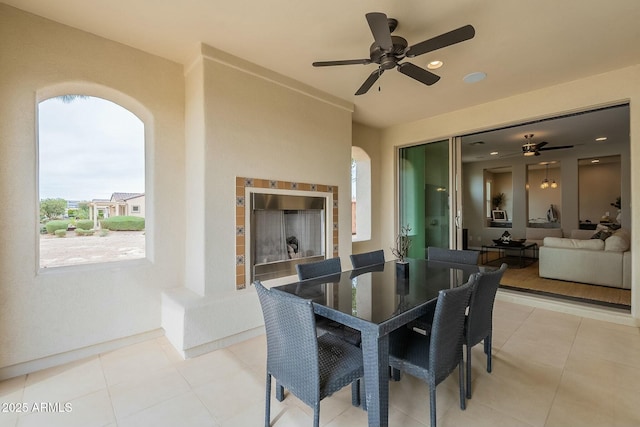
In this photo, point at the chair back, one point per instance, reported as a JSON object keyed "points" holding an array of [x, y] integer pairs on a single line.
{"points": [[325, 267], [447, 330], [292, 346], [480, 317], [367, 259], [452, 255]]}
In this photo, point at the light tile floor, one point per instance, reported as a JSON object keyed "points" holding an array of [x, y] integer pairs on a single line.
{"points": [[549, 369]]}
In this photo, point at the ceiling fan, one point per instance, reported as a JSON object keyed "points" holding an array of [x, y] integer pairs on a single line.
{"points": [[387, 51], [531, 148]]}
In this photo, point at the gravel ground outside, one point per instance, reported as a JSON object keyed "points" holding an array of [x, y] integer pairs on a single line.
{"points": [[74, 249]]}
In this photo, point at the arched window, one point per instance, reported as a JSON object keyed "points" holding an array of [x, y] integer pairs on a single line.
{"points": [[360, 195], [91, 173]]}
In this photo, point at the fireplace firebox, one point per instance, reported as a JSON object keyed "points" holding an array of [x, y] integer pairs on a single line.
{"points": [[285, 230]]}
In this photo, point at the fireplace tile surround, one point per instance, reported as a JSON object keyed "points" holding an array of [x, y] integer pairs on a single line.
{"points": [[241, 184]]}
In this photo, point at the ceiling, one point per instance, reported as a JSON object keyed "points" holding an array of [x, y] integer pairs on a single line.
{"points": [[579, 130], [520, 45]]}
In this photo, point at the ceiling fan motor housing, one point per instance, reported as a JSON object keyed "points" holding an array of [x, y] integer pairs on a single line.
{"points": [[388, 60]]}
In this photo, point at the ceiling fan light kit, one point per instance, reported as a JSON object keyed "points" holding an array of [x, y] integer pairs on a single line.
{"points": [[529, 150], [387, 51]]}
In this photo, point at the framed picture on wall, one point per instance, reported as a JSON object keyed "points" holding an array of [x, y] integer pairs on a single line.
{"points": [[498, 215]]}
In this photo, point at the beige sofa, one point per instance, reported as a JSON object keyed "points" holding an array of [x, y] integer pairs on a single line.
{"points": [[537, 234], [592, 261]]}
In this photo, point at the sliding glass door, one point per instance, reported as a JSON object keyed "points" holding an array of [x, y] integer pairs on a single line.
{"points": [[425, 196]]}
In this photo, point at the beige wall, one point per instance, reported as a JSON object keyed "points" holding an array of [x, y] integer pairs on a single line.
{"points": [[608, 88], [598, 188], [256, 124], [64, 309], [540, 199], [261, 129]]}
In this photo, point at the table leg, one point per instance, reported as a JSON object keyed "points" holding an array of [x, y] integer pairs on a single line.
{"points": [[522, 258], [375, 351]]}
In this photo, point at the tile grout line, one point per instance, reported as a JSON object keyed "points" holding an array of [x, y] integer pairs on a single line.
{"points": [[564, 365], [108, 389]]}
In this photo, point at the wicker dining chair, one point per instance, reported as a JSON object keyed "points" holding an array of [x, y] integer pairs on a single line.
{"points": [[327, 267], [310, 367], [479, 320], [312, 270], [434, 357], [458, 256], [367, 259]]}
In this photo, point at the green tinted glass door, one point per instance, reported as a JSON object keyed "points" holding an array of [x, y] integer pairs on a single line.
{"points": [[424, 195]]}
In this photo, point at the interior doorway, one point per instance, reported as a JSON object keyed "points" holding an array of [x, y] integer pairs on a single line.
{"points": [[551, 151]]}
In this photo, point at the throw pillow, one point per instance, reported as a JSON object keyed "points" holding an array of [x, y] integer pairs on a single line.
{"points": [[619, 242], [602, 235]]}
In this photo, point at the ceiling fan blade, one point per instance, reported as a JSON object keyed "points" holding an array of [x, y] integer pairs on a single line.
{"points": [[556, 148], [370, 81], [342, 62], [420, 74], [380, 29], [539, 145], [443, 40]]}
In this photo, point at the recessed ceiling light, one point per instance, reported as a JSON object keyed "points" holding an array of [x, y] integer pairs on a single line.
{"points": [[602, 138], [595, 161], [474, 77], [434, 65], [494, 153]]}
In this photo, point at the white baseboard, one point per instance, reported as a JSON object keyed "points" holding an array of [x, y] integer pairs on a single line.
{"points": [[73, 355], [221, 343]]}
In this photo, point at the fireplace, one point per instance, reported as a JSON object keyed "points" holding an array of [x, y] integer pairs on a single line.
{"points": [[286, 230], [246, 187]]}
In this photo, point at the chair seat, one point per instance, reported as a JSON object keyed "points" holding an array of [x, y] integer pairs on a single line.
{"points": [[334, 375], [346, 333]]}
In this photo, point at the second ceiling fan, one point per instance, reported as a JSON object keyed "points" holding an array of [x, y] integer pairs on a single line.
{"points": [[387, 51], [531, 148]]}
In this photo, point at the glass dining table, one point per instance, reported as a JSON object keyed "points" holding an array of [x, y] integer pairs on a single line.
{"points": [[375, 301]]}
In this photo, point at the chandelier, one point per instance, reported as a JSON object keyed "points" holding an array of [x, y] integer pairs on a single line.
{"points": [[545, 182]]}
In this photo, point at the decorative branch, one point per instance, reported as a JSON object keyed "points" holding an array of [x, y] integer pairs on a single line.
{"points": [[403, 243]]}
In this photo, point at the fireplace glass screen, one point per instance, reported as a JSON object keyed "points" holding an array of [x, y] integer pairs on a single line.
{"points": [[285, 235], [286, 230]]}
